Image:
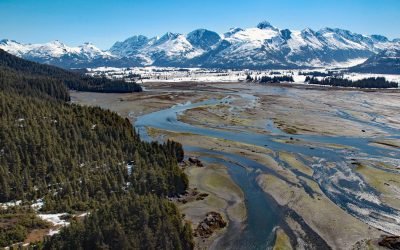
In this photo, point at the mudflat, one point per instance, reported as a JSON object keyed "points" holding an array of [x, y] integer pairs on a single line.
{"points": [[286, 165]]}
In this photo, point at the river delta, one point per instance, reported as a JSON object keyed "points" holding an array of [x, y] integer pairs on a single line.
{"points": [[287, 166]]}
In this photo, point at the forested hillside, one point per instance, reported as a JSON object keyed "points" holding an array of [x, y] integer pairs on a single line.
{"points": [[83, 159], [72, 80], [133, 222]]}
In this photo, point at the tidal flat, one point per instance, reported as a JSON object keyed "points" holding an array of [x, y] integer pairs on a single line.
{"points": [[286, 166]]}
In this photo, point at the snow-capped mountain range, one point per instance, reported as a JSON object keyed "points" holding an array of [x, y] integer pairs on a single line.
{"points": [[264, 46]]}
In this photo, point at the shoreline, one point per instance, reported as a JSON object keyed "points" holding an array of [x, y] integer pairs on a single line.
{"points": [[282, 84]]}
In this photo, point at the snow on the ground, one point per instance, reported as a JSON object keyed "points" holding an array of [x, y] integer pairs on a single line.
{"points": [[10, 204], [349, 63], [171, 74], [54, 219], [84, 214], [129, 168], [38, 204], [53, 232]]}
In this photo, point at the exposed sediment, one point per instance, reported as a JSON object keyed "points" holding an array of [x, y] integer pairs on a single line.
{"points": [[288, 115]]}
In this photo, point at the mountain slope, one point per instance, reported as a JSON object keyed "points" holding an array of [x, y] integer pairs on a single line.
{"points": [[263, 46], [203, 39], [385, 62], [75, 159], [25, 68]]}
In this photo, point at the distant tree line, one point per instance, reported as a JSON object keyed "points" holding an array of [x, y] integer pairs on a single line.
{"points": [[276, 79], [316, 74], [379, 82], [269, 79]]}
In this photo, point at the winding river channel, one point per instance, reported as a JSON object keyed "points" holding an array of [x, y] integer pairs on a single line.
{"points": [[341, 184]]}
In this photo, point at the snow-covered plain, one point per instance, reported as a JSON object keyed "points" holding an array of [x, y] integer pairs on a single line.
{"points": [[171, 74]]}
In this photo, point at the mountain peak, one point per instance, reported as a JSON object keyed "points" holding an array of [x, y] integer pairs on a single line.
{"points": [[170, 35], [380, 38], [135, 40], [199, 32], [286, 34], [165, 38], [129, 45], [56, 43], [308, 30], [265, 25], [8, 41], [203, 38], [232, 31], [88, 46]]}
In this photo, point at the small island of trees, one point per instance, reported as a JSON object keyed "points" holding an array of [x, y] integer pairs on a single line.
{"points": [[269, 79]]}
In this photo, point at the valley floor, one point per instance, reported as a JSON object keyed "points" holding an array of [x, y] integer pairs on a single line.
{"points": [[287, 166]]}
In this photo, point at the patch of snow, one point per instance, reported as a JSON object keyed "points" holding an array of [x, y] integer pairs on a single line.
{"points": [[348, 63], [84, 214], [54, 219], [53, 232], [10, 204], [129, 167], [38, 204]]}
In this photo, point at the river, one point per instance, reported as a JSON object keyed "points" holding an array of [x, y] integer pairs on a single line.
{"points": [[341, 184]]}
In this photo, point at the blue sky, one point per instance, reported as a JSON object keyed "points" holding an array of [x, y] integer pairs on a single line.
{"points": [[105, 21]]}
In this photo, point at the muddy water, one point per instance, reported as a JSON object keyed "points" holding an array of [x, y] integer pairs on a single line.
{"points": [[341, 183]]}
